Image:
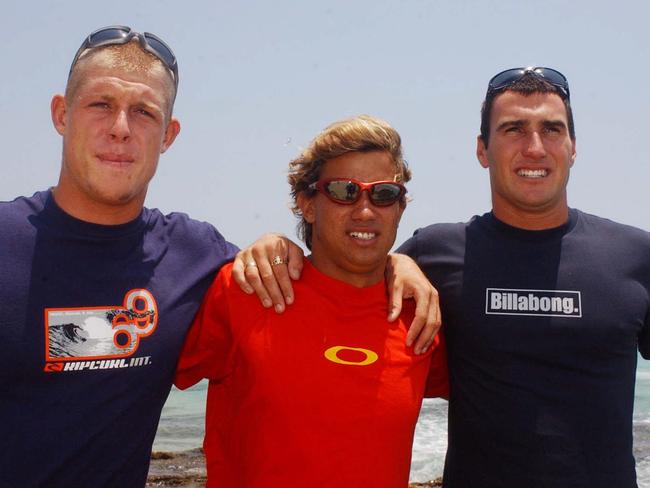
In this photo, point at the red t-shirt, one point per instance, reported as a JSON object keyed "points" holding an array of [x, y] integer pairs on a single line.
{"points": [[325, 394]]}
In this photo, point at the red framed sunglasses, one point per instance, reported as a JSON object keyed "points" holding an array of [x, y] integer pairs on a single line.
{"points": [[347, 191]]}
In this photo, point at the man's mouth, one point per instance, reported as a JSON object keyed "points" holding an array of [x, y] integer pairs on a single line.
{"points": [[114, 158], [532, 173], [364, 236]]}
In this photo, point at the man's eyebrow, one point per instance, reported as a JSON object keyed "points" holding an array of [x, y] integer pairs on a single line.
{"points": [[512, 123], [554, 124]]}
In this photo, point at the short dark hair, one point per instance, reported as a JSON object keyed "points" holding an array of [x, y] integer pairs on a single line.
{"points": [[527, 85]]}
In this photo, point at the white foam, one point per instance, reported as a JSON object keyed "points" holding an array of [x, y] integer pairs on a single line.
{"points": [[430, 443]]}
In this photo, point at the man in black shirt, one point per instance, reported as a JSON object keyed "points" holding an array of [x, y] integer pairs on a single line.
{"points": [[545, 308]]}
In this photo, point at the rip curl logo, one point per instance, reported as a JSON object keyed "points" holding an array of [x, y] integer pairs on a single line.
{"points": [[351, 356], [87, 335], [554, 303]]}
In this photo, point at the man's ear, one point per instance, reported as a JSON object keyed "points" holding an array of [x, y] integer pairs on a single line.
{"points": [[173, 128], [573, 153], [481, 152], [58, 110], [306, 206]]}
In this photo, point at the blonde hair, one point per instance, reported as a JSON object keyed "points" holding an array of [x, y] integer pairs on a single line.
{"points": [[362, 133]]}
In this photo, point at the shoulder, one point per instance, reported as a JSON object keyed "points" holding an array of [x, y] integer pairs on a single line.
{"points": [[225, 294], [23, 206], [608, 231], [188, 233], [17, 216], [441, 231], [177, 222], [435, 238]]}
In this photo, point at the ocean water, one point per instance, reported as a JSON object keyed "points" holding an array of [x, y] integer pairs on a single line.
{"points": [[182, 427]]}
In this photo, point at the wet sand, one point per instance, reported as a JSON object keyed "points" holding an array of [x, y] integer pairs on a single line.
{"points": [[186, 469]]}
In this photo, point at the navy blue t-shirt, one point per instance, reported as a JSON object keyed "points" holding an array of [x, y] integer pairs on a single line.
{"points": [[92, 321], [542, 331]]}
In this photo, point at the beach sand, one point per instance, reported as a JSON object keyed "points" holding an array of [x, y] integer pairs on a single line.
{"points": [[186, 469]]}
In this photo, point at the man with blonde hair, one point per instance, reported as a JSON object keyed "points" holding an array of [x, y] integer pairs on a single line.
{"points": [[97, 291], [328, 393]]}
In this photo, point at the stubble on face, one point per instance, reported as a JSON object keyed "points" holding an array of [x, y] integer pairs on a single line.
{"points": [[351, 242], [114, 127], [529, 157]]}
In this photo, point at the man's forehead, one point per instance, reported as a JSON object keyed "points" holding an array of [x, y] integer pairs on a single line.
{"points": [[107, 60], [101, 71], [536, 105]]}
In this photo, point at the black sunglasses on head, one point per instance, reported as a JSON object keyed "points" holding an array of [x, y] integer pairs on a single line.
{"points": [[121, 34], [510, 76]]}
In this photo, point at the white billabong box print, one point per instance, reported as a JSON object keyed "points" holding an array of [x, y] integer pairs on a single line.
{"points": [[554, 303]]}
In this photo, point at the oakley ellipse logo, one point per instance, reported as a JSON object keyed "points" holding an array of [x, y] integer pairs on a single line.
{"points": [[369, 357]]}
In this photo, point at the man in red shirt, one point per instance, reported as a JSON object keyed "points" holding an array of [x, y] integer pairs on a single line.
{"points": [[326, 394]]}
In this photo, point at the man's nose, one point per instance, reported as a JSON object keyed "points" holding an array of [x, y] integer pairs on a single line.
{"points": [[120, 128], [535, 147]]}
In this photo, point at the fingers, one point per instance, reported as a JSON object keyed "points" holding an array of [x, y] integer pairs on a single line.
{"points": [[295, 254], [266, 273], [254, 272], [418, 325], [395, 297], [429, 313], [284, 249], [238, 268], [253, 277]]}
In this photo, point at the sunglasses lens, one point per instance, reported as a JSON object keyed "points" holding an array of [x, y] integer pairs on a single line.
{"points": [[385, 193], [343, 191], [109, 34], [162, 50], [552, 76], [505, 78]]}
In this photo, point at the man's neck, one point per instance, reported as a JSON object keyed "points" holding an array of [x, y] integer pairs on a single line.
{"points": [[96, 212], [527, 220], [361, 279]]}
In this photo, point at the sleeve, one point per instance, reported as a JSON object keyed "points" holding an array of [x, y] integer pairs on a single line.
{"points": [[438, 379], [644, 337], [409, 247], [208, 348]]}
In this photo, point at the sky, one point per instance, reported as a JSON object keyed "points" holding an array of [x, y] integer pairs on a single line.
{"points": [[258, 80]]}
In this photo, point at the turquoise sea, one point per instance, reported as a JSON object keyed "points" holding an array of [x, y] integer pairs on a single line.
{"points": [[182, 426]]}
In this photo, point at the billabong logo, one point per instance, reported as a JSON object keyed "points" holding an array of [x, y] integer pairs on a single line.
{"points": [[92, 333], [554, 303]]}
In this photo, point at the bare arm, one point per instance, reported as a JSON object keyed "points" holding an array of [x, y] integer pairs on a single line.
{"points": [[404, 279], [254, 269]]}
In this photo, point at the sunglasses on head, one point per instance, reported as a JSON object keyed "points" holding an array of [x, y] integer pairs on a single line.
{"points": [[510, 76], [121, 34], [346, 191]]}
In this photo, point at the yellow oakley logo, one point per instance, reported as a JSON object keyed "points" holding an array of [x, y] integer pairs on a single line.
{"points": [[332, 355]]}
